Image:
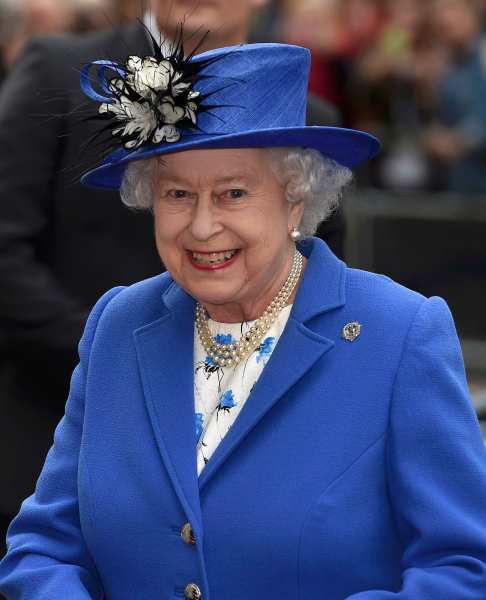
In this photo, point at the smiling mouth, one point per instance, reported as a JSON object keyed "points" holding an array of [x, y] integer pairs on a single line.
{"points": [[212, 258]]}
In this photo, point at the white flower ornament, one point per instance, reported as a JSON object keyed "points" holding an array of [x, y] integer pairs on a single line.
{"points": [[148, 77], [151, 99]]}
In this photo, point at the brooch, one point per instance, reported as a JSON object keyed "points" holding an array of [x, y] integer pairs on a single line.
{"points": [[351, 331]]}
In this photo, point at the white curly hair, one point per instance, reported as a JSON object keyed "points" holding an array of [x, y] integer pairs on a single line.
{"points": [[306, 175]]}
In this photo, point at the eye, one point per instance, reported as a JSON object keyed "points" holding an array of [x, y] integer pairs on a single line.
{"points": [[178, 194], [234, 193]]}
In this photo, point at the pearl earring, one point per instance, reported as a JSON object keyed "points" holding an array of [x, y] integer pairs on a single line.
{"points": [[295, 234]]}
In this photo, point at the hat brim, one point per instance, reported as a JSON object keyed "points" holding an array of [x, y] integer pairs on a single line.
{"points": [[348, 147]]}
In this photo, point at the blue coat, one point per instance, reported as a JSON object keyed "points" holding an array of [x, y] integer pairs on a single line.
{"points": [[355, 470]]}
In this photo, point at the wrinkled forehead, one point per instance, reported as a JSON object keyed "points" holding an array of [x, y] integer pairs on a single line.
{"points": [[213, 166]]}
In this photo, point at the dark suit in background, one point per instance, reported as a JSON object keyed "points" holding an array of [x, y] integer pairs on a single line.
{"points": [[61, 245]]}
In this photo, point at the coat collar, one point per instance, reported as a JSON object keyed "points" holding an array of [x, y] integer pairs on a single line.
{"points": [[167, 372], [323, 285]]}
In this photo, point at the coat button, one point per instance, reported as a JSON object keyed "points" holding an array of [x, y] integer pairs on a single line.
{"points": [[192, 592], [187, 534]]}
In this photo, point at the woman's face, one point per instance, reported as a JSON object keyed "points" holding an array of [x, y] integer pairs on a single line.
{"points": [[222, 226]]}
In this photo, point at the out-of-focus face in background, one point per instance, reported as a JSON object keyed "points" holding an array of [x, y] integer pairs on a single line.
{"points": [[330, 28], [312, 23], [92, 15], [227, 20], [47, 16], [407, 14], [22, 19], [457, 22]]}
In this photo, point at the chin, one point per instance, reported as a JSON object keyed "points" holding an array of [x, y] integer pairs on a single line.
{"points": [[213, 297]]}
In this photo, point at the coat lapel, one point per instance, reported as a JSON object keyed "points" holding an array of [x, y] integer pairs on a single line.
{"points": [[299, 348], [167, 375]]}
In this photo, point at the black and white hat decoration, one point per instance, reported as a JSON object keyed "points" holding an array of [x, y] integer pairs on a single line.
{"points": [[149, 100]]}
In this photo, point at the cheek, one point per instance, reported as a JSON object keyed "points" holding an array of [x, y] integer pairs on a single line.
{"points": [[265, 245], [168, 231], [269, 229], [169, 223], [263, 224], [251, 227]]}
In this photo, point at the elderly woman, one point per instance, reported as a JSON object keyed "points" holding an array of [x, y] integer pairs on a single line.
{"points": [[261, 421]]}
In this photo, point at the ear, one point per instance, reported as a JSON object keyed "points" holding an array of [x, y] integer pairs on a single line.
{"points": [[296, 211]]}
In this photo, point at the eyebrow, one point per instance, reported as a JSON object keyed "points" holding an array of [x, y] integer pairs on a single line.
{"points": [[235, 177], [224, 179]]}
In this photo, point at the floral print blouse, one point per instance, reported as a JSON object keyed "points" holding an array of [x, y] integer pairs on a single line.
{"points": [[221, 392]]}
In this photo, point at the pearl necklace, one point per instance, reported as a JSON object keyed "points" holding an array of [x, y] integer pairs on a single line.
{"points": [[229, 355]]}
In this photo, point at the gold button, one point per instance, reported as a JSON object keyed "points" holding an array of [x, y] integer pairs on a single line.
{"points": [[187, 534], [192, 592]]}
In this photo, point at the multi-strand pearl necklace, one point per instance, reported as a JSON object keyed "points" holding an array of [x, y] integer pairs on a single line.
{"points": [[229, 355]]}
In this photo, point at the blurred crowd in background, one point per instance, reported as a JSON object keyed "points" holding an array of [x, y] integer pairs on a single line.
{"points": [[413, 72]]}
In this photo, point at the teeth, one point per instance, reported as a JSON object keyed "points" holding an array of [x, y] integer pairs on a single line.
{"points": [[213, 258]]}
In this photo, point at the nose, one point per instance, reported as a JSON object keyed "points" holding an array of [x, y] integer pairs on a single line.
{"points": [[205, 222]]}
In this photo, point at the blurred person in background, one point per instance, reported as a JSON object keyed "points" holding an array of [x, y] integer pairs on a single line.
{"points": [[457, 140], [315, 24], [390, 92], [335, 32], [62, 245], [22, 19], [10, 28], [362, 22], [93, 15], [47, 16]]}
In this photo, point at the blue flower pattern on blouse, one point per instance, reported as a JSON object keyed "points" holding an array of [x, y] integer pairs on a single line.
{"points": [[265, 349], [223, 338], [199, 424], [209, 365], [227, 401], [221, 392]]}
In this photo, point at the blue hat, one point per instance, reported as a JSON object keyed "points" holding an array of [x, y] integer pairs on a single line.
{"points": [[246, 96]]}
